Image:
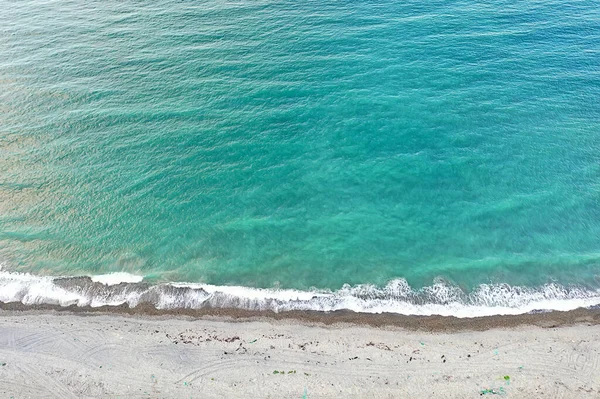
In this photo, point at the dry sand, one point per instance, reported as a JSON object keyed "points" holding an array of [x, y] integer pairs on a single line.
{"points": [[73, 355]]}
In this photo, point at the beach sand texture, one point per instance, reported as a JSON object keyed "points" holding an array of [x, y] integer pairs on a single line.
{"points": [[65, 355]]}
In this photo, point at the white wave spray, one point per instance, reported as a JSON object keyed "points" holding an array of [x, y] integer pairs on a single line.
{"points": [[441, 298]]}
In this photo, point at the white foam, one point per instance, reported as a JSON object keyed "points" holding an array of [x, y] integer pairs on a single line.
{"points": [[254, 293], [116, 278], [441, 298], [397, 297], [34, 290]]}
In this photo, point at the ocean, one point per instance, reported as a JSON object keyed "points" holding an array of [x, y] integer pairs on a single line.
{"points": [[408, 156]]}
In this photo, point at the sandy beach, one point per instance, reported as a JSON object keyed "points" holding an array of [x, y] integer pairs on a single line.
{"points": [[62, 354]]}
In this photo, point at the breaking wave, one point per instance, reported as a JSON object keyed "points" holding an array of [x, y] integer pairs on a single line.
{"points": [[441, 298]]}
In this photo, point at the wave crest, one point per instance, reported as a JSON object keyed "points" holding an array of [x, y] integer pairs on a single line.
{"points": [[441, 298]]}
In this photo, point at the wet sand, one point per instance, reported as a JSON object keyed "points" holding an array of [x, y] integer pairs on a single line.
{"points": [[425, 323], [144, 353]]}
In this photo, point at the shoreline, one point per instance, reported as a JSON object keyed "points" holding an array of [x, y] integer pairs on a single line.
{"points": [[434, 323], [112, 292]]}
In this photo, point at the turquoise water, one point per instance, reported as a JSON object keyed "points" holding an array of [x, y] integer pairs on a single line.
{"points": [[302, 144]]}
